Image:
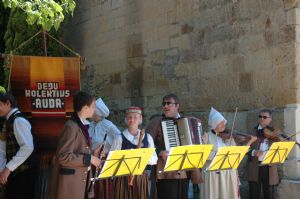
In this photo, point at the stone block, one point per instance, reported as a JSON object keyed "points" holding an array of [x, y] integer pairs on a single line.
{"points": [[154, 101], [123, 105], [162, 86], [258, 61], [291, 169], [148, 74], [163, 31], [248, 9], [116, 78], [186, 28], [293, 16], [237, 63], [251, 43], [135, 62], [179, 85], [149, 88], [171, 17], [288, 189], [119, 23], [158, 57], [185, 43], [174, 41], [115, 4], [159, 44], [297, 33], [136, 50], [107, 90], [246, 82]]}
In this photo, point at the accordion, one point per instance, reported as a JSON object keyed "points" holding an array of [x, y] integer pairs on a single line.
{"points": [[183, 131]]}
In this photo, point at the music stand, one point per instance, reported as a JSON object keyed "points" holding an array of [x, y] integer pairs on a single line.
{"points": [[187, 157], [278, 152], [228, 157], [126, 162]]}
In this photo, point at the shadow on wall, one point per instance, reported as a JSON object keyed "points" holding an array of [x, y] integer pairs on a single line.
{"points": [[135, 59]]}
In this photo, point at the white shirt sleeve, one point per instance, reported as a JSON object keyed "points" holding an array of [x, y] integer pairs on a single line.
{"points": [[22, 130], [117, 143], [153, 159], [264, 146], [2, 154], [252, 153]]}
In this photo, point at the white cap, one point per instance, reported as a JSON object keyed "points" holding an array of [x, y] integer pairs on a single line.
{"points": [[102, 109], [215, 118]]}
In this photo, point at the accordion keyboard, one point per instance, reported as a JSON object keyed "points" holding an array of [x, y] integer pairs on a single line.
{"points": [[170, 133]]}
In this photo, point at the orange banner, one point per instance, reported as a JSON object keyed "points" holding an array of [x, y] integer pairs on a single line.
{"points": [[44, 89]]}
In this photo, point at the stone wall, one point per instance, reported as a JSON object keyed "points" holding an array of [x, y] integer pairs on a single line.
{"points": [[221, 53]]}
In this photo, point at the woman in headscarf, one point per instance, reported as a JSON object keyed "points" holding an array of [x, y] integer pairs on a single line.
{"points": [[101, 128], [223, 184]]}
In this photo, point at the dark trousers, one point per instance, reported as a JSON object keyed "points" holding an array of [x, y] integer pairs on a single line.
{"points": [[172, 188], [262, 183], [21, 185]]}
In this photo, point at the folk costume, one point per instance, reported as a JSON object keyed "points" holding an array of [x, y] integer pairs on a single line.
{"points": [[72, 168], [21, 160], [97, 131], [222, 184], [139, 190], [260, 176], [172, 185]]}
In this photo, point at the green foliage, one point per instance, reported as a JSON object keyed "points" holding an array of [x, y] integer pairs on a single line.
{"points": [[45, 13], [18, 31], [4, 14]]}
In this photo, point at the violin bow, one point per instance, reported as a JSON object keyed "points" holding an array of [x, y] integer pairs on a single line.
{"points": [[287, 138], [236, 108]]}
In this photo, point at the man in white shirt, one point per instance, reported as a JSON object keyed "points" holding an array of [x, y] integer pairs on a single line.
{"points": [[19, 174], [261, 177], [2, 139]]}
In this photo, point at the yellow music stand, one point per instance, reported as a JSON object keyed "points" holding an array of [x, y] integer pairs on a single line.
{"points": [[187, 157], [126, 162], [278, 152], [228, 157]]}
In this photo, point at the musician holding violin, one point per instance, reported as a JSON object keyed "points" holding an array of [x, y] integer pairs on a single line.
{"points": [[224, 183], [262, 176]]}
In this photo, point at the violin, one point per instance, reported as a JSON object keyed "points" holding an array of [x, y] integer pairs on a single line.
{"points": [[271, 134], [225, 135]]}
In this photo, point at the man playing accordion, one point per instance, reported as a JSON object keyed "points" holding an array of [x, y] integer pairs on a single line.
{"points": [[172, 185]]}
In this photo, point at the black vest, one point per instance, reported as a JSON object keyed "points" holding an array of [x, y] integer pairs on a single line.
{"points": [[12, 146], [126, 144]]}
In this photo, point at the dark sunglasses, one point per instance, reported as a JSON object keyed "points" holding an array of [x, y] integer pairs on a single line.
{"points": [[262, 116], [167, 103]]}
